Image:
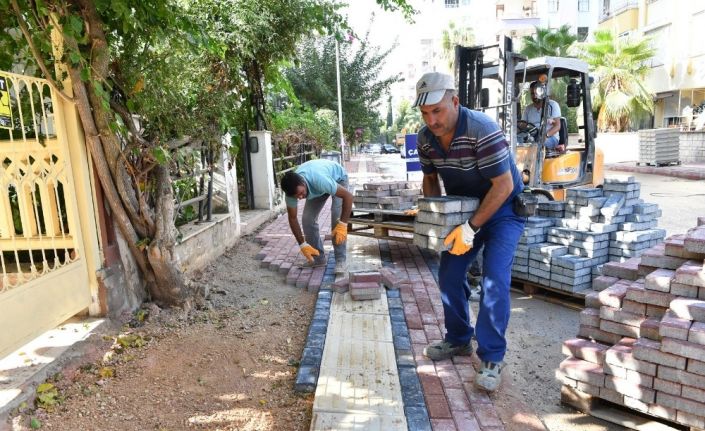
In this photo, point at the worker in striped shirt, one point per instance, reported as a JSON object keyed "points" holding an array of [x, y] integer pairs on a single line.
{"points": [[467, 150]]}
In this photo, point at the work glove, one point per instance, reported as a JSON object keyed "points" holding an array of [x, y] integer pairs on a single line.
{"points": [[461, 237], [411, 212], [308, 251], [340, 233]]}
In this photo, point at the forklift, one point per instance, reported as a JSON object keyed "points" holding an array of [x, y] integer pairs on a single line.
{"points": [[493, 79]]}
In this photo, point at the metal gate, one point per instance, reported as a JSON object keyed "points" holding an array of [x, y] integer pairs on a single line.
{"points": [[45, 276]]}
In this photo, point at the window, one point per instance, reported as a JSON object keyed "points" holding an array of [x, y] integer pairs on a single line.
{"points": [[553, 5], [660, 38], [583, 33], [452, 3], [583, 5]]}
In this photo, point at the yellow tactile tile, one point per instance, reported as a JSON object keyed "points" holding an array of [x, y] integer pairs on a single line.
{"points": [[359, 391], [325, 421], [369, 327], [344, 303], [349, 354]]}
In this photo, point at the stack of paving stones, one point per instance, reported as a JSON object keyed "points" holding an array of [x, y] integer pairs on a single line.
{"points": [[551, 209], [365, 285], [534, 235], [642, 334], [396, 195], [659, 146], [566, 244], [438, 216]]}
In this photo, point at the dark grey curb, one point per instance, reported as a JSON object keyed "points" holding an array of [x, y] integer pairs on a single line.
{"points": [[417, 418], [312, 355]]}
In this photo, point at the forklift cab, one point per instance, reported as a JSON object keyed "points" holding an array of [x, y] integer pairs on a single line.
{"points": [[497, 81]]}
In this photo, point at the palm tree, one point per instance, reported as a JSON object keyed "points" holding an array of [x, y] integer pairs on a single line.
{"points": [[620, 68], [546, 41], [452, 36]]}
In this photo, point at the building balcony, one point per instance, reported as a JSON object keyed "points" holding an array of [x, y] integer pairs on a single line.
{"points": [[616, 8]]}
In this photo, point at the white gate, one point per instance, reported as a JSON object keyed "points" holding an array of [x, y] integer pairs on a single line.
{"points": [[45, 277]]}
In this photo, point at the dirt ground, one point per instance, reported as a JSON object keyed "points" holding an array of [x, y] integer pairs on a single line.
{"points": [[231, 363]]}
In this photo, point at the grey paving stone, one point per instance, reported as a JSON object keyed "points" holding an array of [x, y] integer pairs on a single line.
{"points": [[306, 379], [411, 390], [417, 418]]}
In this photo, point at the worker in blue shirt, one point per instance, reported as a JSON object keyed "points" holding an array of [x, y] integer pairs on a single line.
{"points": [[468, 151], [315, 181]]}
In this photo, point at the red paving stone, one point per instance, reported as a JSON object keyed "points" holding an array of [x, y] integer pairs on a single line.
{"points": [[437, 406], [452, 401]]}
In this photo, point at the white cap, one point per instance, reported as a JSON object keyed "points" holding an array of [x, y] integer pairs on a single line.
{"points": [[431, 88]]}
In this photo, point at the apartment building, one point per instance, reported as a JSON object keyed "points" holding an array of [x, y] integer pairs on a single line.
{"points": [[677, 75], [489, 20]]}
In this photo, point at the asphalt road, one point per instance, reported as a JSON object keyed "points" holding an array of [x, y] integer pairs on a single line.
{"points": [[681, 201]]}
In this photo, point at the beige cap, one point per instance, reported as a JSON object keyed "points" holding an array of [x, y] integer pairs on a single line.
{"points": [[431, 88]]}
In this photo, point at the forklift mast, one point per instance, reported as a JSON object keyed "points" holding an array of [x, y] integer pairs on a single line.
{"points": [[475, 63]]}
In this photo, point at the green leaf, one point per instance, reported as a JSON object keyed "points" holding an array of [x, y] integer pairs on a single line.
{"points": [[44, 387], [75, 58], [35, 424], [160, 155], [75, 25], [85, 74]]}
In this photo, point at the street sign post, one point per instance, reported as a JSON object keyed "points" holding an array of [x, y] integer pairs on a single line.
{"points": [[411, 154]]}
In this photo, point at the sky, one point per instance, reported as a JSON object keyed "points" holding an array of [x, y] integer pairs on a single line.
{"points": [[387, 30]]}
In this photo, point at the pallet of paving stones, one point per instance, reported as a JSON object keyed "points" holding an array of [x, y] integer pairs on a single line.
{"points": [[641, 339], [575, 300], [395, 196], [659, 147], [615, 413], [565, 246]]}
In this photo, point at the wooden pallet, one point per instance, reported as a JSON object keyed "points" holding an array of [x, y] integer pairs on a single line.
{"points": [[370, 225], [617, 414], [574, 300]]}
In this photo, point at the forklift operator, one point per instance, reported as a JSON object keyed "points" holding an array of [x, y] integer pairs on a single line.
{"points": [[532, 117], [468, 151]]}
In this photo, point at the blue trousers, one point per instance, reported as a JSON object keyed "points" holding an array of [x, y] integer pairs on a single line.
{"points": [[500, 236], [551, 142]]}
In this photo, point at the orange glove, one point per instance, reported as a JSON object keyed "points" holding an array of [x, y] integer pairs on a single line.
{"points": [[308, 251], [340, 233], [461, 237], [411, 212]]}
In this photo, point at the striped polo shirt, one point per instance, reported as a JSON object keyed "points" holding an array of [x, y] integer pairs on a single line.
{"points": [[478, 152]]}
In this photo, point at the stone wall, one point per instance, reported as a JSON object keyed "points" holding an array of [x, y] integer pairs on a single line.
{"points": [[204, 242]]}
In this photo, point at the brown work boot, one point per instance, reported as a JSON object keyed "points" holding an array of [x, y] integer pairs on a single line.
{"points": [[444, 350]]}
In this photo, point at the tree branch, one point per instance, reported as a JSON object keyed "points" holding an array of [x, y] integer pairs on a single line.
{"points": [[35, 53]]}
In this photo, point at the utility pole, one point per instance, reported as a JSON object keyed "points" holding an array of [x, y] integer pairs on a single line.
{"points": [[340, 103]]}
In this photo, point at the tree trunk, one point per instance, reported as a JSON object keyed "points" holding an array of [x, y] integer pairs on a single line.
{"points": [[171, 285], [165, 283]]}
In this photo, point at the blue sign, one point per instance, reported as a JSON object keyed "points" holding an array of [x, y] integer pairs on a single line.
{"points": [[411, 154]]}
